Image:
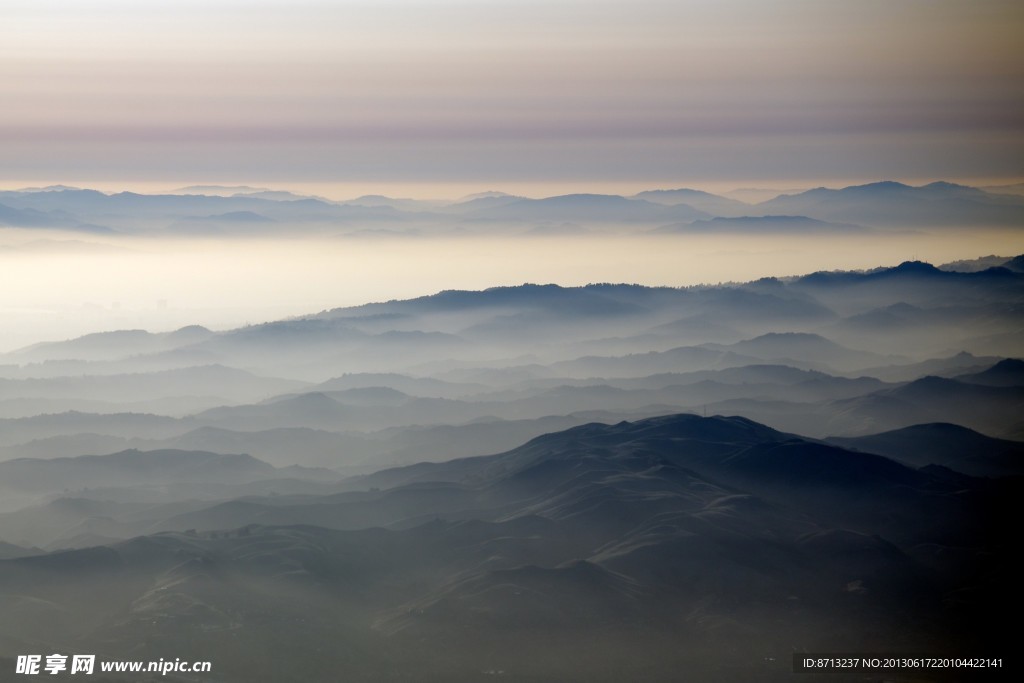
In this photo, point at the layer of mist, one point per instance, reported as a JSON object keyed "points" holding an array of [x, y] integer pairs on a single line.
{"points": [[432, 464], [161, 262]]}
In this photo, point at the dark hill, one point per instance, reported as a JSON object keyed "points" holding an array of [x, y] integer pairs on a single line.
{"points": [[949, 445], [1006, 373], [670, 542]]}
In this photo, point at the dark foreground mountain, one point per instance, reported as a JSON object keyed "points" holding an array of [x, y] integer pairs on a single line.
{"points": [[663, 549], [948, 445]]}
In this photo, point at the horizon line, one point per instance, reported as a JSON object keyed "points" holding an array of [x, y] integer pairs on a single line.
{"points": [[309, 189]]}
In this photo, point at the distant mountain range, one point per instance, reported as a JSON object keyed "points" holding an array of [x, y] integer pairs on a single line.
{"points": [[712, 204], [242, 210], [895, 204], [534, 351]]}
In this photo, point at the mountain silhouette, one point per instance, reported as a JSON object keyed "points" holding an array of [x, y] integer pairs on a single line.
{"points": [[746, 540], [886, 204]]}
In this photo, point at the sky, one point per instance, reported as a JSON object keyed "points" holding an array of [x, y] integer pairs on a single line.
{"points": [[443, 98]]}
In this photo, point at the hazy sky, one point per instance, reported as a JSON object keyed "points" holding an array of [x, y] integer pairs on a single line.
{"points": [[440, 97]]}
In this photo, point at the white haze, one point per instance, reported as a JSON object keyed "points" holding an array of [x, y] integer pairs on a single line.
{"points": [[60, 286]]}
